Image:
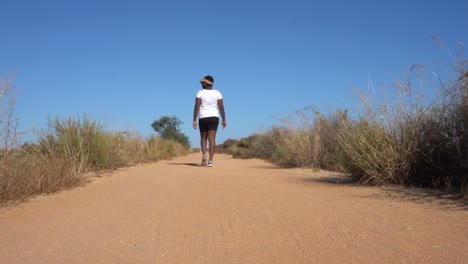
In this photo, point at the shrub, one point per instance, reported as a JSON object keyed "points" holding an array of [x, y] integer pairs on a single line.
{"points": [[168, 128], [255, 146]]}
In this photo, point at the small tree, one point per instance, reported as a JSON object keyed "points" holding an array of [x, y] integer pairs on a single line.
{"points": [[168, 128], [9, 134]]}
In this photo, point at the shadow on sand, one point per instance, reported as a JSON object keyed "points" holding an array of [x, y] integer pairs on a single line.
{"points": [[449, 201], [330, 179], [184, 164], [421, 196]]}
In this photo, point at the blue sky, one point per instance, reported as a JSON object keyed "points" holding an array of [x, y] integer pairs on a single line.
{"points": [[127, 63]]}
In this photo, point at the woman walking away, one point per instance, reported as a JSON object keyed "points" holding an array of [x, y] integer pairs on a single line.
{"points": [[208, 106]]}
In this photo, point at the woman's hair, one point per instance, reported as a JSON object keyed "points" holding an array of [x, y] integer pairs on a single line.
{"points": [[209, 78]]}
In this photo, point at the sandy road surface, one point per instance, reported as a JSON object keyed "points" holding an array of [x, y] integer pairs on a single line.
{"points": [[241, 211]]}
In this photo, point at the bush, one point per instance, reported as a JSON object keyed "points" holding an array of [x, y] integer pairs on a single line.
{"points": [[168, 128], [372, 155], [256, 146]]}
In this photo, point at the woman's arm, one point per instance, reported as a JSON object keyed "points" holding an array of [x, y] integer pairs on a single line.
{"points": [[195, 112], [221, 110]]}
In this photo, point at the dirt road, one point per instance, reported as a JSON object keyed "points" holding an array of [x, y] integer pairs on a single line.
{"points": [[241, 211]]}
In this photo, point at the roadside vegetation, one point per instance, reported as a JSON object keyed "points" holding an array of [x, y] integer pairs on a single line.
{"points": [[66, 151], [414, 135], [168, 127]]}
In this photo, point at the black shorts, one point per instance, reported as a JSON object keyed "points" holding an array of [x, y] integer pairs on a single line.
{"points": [[208, 123]]}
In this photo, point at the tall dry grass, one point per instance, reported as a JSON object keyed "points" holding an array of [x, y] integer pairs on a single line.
{"points": [[66, 151], [308, 138], [379, 146], [415, 135], [419, 139]]}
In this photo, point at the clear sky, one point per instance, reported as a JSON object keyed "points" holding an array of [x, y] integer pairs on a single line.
{"points": [[127, 63]]}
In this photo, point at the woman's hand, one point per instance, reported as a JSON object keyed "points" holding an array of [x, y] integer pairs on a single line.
{"points": [[224, 124], [194, 124]]}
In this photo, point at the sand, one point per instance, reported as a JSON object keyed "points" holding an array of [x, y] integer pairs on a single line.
{"points": [[240, 211]]}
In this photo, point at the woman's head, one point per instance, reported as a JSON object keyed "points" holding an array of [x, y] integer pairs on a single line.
{"points": [[207, 82]]}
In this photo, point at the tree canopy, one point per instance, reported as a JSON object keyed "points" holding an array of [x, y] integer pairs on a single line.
{"points": [[168, 127]]}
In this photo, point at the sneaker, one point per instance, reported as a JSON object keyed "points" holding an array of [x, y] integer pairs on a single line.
{"points": [[204, 160], [210, 163]]}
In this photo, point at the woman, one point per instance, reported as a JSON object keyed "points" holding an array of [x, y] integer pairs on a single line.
{"points": [[208, 105]]}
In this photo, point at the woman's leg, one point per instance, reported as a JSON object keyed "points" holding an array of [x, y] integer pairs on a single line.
{"points": [[212, 141], [203, 138]]}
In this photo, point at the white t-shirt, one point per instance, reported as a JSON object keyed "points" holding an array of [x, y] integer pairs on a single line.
{"points": [[209, 103]]}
